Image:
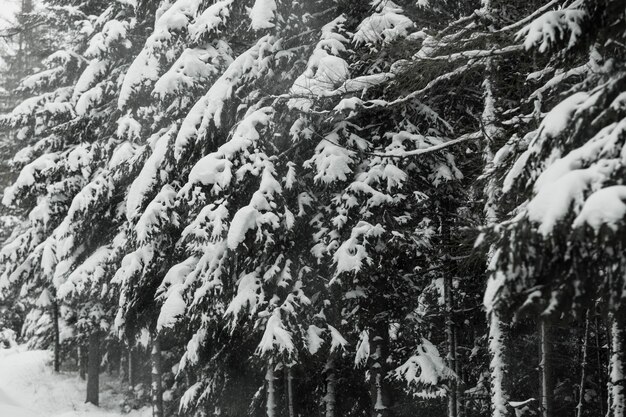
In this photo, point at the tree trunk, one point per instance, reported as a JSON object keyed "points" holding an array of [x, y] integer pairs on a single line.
{"points": [[57, 338], [498, 339], [271, 390], [289, 385], [378, 366], [82, 361], [113, 358], [459, 382], [93, 370], [331, 387], [617, 365], [157, 387], [583, 366], [600, 365], [451, 358], [133, 369], [123, 365], [546, 370]]}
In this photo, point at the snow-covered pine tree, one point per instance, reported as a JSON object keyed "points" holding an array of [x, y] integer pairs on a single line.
{"points": [[560, 247], [378, 202], [47, 91], [216, 137], [73, 167]]}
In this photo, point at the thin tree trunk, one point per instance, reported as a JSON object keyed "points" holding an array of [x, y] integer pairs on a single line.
{"points": [[93, 369], [546, 370], [132, 367], [498, 338], [82, 361], [331, 387], [271, 390], [459, 381], [583, 366], [600, 365], [378, 366], [157, 386], [498, 331], [452, 409], [57, 337], [289, 386], [113, 358], [617, 365], [123, 365]]}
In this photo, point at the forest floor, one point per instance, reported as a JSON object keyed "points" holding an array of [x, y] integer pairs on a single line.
{"points": [[30, 388]]}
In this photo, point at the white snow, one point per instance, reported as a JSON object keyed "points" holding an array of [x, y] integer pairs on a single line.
{"points": [[262, 14], [352, 254], [150, 174], [275, 337], [210, 20], [208, 109], [30, 388], [146, 67], [604, 207], [554, 200], [567, 179], [89, 77], [551, 27], [195, 65], [156, 215], [336, 339], [249, 295], [26, 179], [86, 274], [215, 168], [331, 160], [362, 349], [128, 128], [385, 25], [558, 118], [257, 213], [171, 290], [122, 153], [325, 70], [314, 339], [425, 367]]}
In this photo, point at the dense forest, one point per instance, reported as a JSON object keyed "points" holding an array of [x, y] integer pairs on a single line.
{"points": [[320, 207]]}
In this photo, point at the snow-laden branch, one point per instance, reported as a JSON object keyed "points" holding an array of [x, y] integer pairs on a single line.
{"points": [[416, 152], [476, 54], [434, 148], [528, 18]]}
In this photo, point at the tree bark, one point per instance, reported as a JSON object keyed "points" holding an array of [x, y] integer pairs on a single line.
{"points": [[57, 337], [617, 366], [331, 387], [289, 385], [93, 369], [546, 370], [271, 390], [381, 399], [123, 364], [82, 361], [459, 382], [157, 386], [600, 364], [583, 366], [133, 369], [451, 359], [498, 340]]}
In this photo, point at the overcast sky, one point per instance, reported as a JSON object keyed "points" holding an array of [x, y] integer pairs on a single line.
{"points": [[7, 11]]}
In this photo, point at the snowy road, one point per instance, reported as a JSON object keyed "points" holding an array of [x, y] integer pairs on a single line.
{"points": [[29, 388]]}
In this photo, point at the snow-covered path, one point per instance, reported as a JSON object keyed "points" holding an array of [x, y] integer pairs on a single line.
{"points": [[29, 388]]}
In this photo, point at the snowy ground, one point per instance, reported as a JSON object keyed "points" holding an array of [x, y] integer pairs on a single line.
{"points": [[29, 388]]}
